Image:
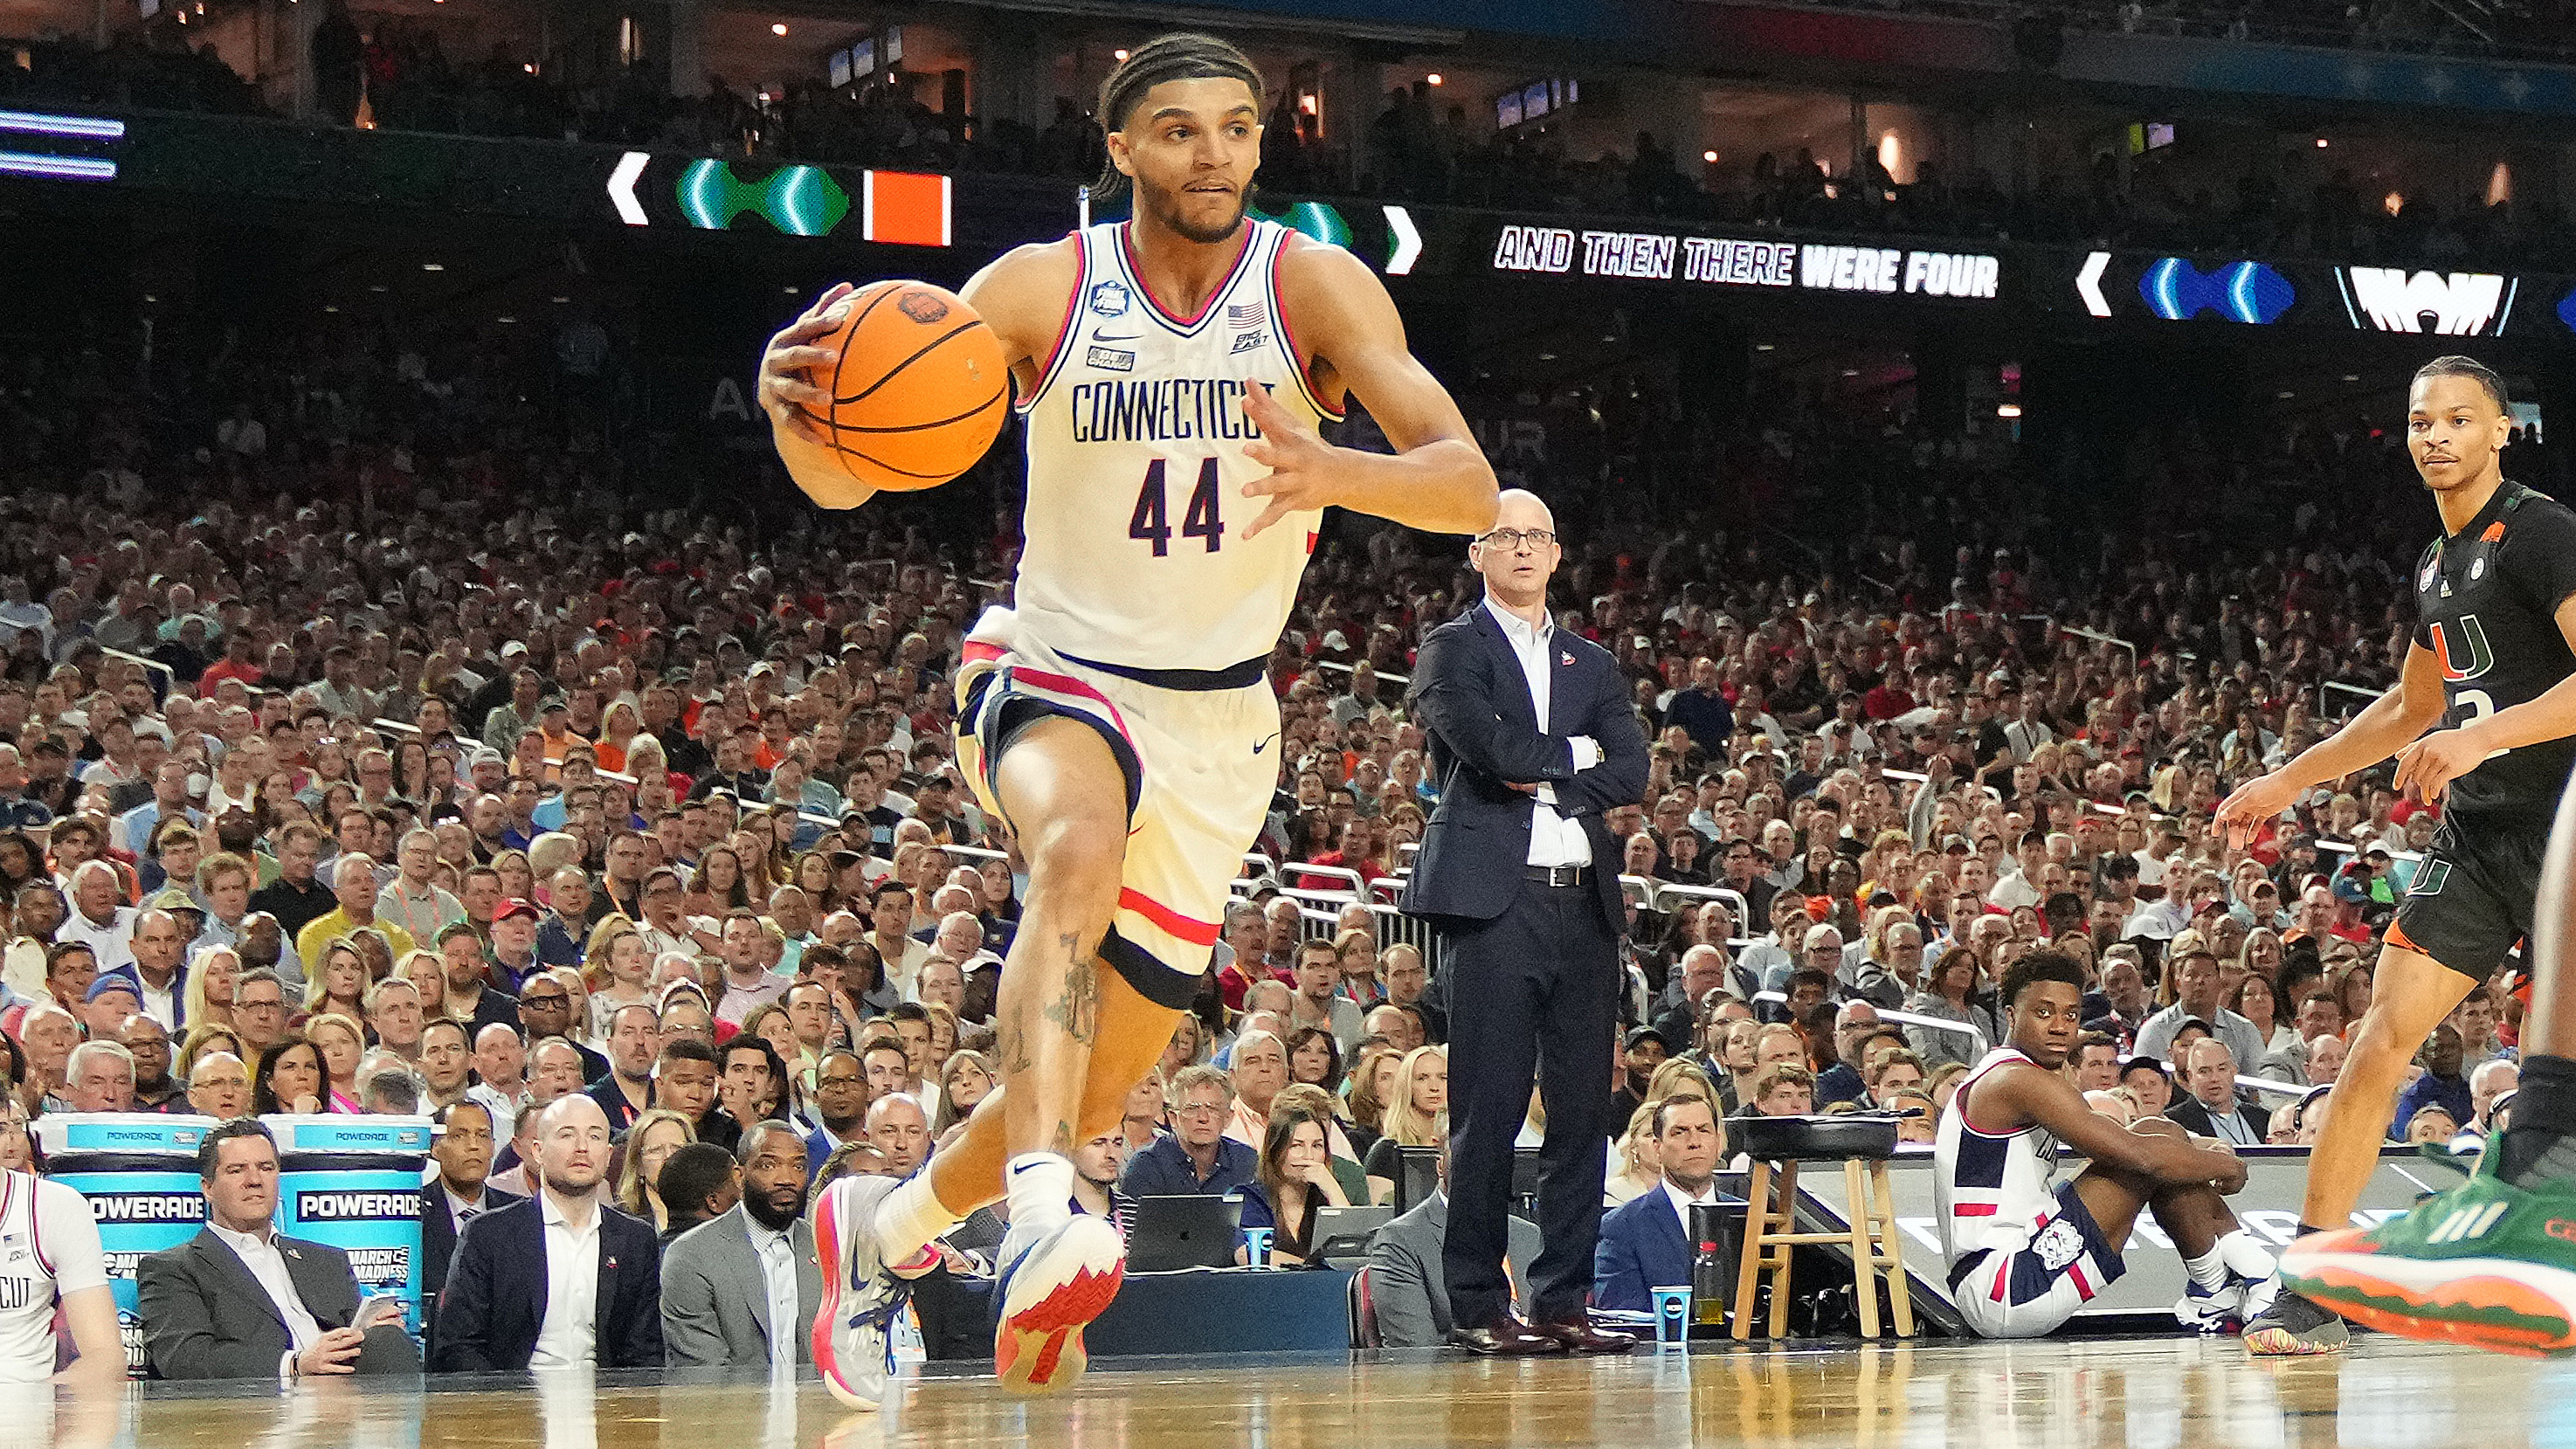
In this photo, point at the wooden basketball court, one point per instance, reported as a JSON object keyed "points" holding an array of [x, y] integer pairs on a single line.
{"points": [[2134, 1394]]}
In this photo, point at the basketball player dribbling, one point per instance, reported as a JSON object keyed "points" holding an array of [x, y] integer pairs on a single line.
{"points": [[1171, 371], [2493, 663]]}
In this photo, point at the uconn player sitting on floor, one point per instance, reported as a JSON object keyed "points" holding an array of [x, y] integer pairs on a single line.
{"points": [[2025, 1250]]}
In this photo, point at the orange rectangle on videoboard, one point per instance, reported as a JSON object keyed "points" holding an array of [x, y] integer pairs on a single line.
{"points": [[905, 208]]}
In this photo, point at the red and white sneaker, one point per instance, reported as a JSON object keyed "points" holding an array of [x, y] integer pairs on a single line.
{"points": [[1052, 1287], [861, 1294]]}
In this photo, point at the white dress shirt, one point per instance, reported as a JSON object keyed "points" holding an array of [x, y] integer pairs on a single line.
{"points": [[1683, 1202], [568, 1337], [777, 1255], [258, 1252], [1554, 839]]}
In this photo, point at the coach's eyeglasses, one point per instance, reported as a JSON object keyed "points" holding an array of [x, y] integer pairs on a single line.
{"points": [[1515, 537]]}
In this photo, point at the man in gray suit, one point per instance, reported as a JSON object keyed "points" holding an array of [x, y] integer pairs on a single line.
{"points": [[739, 1289], [242, 1301], [1408, 1291]]}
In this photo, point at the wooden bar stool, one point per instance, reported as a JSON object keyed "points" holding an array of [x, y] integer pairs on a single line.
{"points": [[1777, 1145]]}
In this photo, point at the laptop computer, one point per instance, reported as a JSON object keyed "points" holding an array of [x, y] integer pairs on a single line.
{"points": [[1184, 1230], [1342, 1233]]}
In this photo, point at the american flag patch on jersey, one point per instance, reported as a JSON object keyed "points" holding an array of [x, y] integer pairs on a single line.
{"points": [[1244, 314]]}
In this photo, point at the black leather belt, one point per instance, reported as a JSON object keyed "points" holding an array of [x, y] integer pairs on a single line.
{"points": [[1559, 876]]}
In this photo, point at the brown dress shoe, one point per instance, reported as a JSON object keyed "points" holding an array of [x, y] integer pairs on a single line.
{"points": [[1579, 1336], [1505, 1337]]}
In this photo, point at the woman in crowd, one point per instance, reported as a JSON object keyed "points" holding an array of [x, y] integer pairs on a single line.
{"points": [[2255, 1001], [518, 878], [814, 875], [1949, 994], [202, 1038], [2262, 955], [965, 1080], [427, 976], [1633, 1168], [1315, 1058], [1365, 1088], [341, 1043], [716, 886], [1420, 1097], [617, 959], [1294, 1179], [1185, 1049], [657, 1134], [338, 983], [289, 1078], [212, 974]]}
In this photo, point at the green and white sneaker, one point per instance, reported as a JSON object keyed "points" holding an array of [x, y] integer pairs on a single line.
{"points": [[2487, 1264]]}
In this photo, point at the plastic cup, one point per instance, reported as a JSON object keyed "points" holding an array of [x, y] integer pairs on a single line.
{"points": [[1256, 1243], [1672, 1314]]}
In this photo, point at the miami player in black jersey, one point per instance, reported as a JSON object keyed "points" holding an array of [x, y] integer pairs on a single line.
{"points": [[2494, 650]]}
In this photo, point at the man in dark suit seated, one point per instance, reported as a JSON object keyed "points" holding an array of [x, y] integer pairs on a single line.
{"points": [[241, 1301], [560, 1281], [2209, 1107], [458, 1195], [1645, 1241], [739, 1291], [1408, 1292]]}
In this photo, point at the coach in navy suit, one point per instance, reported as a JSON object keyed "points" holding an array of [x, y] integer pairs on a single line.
{"points": [[513, 1298], [1531, 737], [1645, 1241]]}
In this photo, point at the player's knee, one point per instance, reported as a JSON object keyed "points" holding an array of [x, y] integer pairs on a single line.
{"points": [[2378, 1053], [1076, 856]]}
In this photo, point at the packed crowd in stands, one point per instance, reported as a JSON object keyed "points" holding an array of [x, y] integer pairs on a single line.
{"points": [[1420, 145], [366, 747], [2534, 28]]}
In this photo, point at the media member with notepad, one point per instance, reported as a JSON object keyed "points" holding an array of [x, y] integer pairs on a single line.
{"points": [[1532, 737]]}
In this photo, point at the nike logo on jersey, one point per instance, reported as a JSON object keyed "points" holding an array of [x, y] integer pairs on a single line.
{"points": [[1265, 744], [1113, 336]]}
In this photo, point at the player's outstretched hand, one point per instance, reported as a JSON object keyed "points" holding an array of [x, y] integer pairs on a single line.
{"points": [[784, 364], [2262, 798], [2430, 764], [1300, 461]]}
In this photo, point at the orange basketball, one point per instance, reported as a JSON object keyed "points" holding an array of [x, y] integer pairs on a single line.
{"points": [[919, 393]]}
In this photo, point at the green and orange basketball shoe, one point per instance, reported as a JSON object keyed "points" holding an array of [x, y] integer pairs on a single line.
{"points": [[2487, 1264]]}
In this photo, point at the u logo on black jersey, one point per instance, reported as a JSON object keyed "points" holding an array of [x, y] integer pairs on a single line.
{"points": [[2473, 638]]}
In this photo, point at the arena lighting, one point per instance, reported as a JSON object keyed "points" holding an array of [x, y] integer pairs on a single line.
{"points": [[2008, 410], [2321, 143], [2352, 377], [1118, 54], [2242, 291], [779, 29], [1435, 78], [2448, 304], [56, 168], [36, 123], [433, 266]]}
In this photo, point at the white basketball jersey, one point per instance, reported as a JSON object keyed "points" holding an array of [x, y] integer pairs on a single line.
{"points": [[1136, 435], [48, 1247], [1990, 1191]]}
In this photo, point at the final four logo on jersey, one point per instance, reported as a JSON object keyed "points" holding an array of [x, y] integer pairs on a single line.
{"points": [[1111, 298], [2432, 567]]}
